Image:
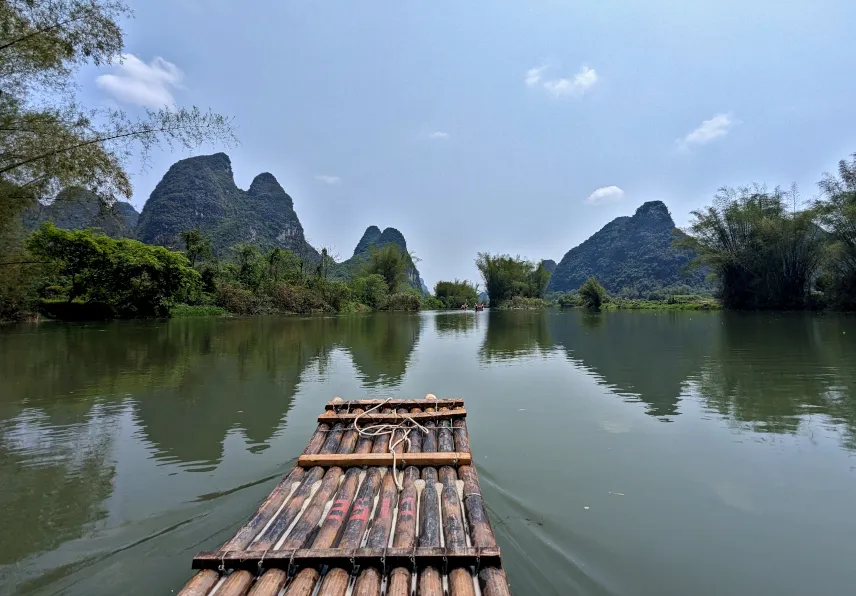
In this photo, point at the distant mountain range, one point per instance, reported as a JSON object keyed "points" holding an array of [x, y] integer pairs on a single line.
{"points": [[634, 254], [76, 208], [200, 192], [630, 253]]}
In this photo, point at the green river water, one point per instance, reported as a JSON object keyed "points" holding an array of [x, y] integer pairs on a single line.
{"points": [[640, 453]]}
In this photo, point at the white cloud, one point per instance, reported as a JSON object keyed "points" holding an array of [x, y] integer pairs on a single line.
{"points": [[709, 130], [439, 134], [605, 194], [582, 82], [577, 85], [326, 179], [533, 76], [149, 85]]}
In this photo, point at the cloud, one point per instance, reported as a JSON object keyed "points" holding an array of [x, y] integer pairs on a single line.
{"points": [[149, 85], [533, 76], [582, 82], [709, 130], [439, 135], [577, 85], [605, 194], [328, 179]]}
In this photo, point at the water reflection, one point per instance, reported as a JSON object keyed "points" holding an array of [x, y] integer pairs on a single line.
{"points": [[768, 371], [512, 334], [182, 386], [771, 372], [455, 323]]}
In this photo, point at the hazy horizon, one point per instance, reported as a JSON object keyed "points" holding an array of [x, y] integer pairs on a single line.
{"points": [[519, 128]]}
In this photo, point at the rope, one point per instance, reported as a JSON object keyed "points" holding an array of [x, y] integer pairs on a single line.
{"points": [[378, 430]]}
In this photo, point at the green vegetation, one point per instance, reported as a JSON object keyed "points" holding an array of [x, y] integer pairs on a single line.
{"points": [[507, 277], [50, 142], [389, 263], [124, 278], [836, 212], [592, 294], [455, 294], [186, 310], [769, 252]]}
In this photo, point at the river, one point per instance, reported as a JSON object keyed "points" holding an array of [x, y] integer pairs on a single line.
{"points": [[623, 453]]}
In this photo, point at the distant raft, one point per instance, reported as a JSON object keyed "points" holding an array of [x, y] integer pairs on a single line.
{"points": [[384, 500]]}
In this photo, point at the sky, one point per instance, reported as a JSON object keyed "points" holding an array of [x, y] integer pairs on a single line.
{"points": [[503, 126]]}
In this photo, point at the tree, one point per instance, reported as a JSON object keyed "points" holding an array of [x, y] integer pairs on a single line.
{"points": [[322, 269], [47, 140], [196, 244], [132, 278], [454, 294], [764, 252], [506, 277], [837, 213], [592, 294], [389, 262]]}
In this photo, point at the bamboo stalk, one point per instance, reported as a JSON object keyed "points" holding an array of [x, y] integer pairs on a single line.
{"points": [[267, 509], [492, 580], [347, 535], [275, 579], [236, 584], [370, 579], [429, 582], [405, 526], [355, 528], [201, 583], [459, 578], [295, 504]]}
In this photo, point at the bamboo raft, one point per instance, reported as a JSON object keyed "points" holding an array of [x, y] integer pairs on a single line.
{"points": [[341, 523]]}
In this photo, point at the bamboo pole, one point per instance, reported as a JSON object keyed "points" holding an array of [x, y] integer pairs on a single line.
{"points": [[236, 584], [370, 579], [265, 511], [332, 528], [460, 579], [430, 583], [275, 579], [201, 583], [492, 580], [336, 580], [405, 526], [295, 504]]}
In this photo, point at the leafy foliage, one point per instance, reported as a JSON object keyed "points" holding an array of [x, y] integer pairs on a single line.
{"points": [[635, 253], [196, 245], [389, 262], [506, 277], [837, 214], [132, 278], [764, 252], [592, 294], [455, 294]]}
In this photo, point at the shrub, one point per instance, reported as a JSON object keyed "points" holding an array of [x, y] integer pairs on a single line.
{"points": [[236, 300], [371, 290], [592, 294], [188, 310], [403, 301]]}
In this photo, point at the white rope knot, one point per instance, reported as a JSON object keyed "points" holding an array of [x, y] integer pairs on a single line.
{"points": [[377, 430]]}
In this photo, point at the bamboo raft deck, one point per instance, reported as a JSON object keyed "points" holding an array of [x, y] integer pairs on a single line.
{"points": [[338, 524]]}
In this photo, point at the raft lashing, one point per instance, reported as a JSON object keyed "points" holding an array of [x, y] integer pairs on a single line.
{"points": [[341, 524]]}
